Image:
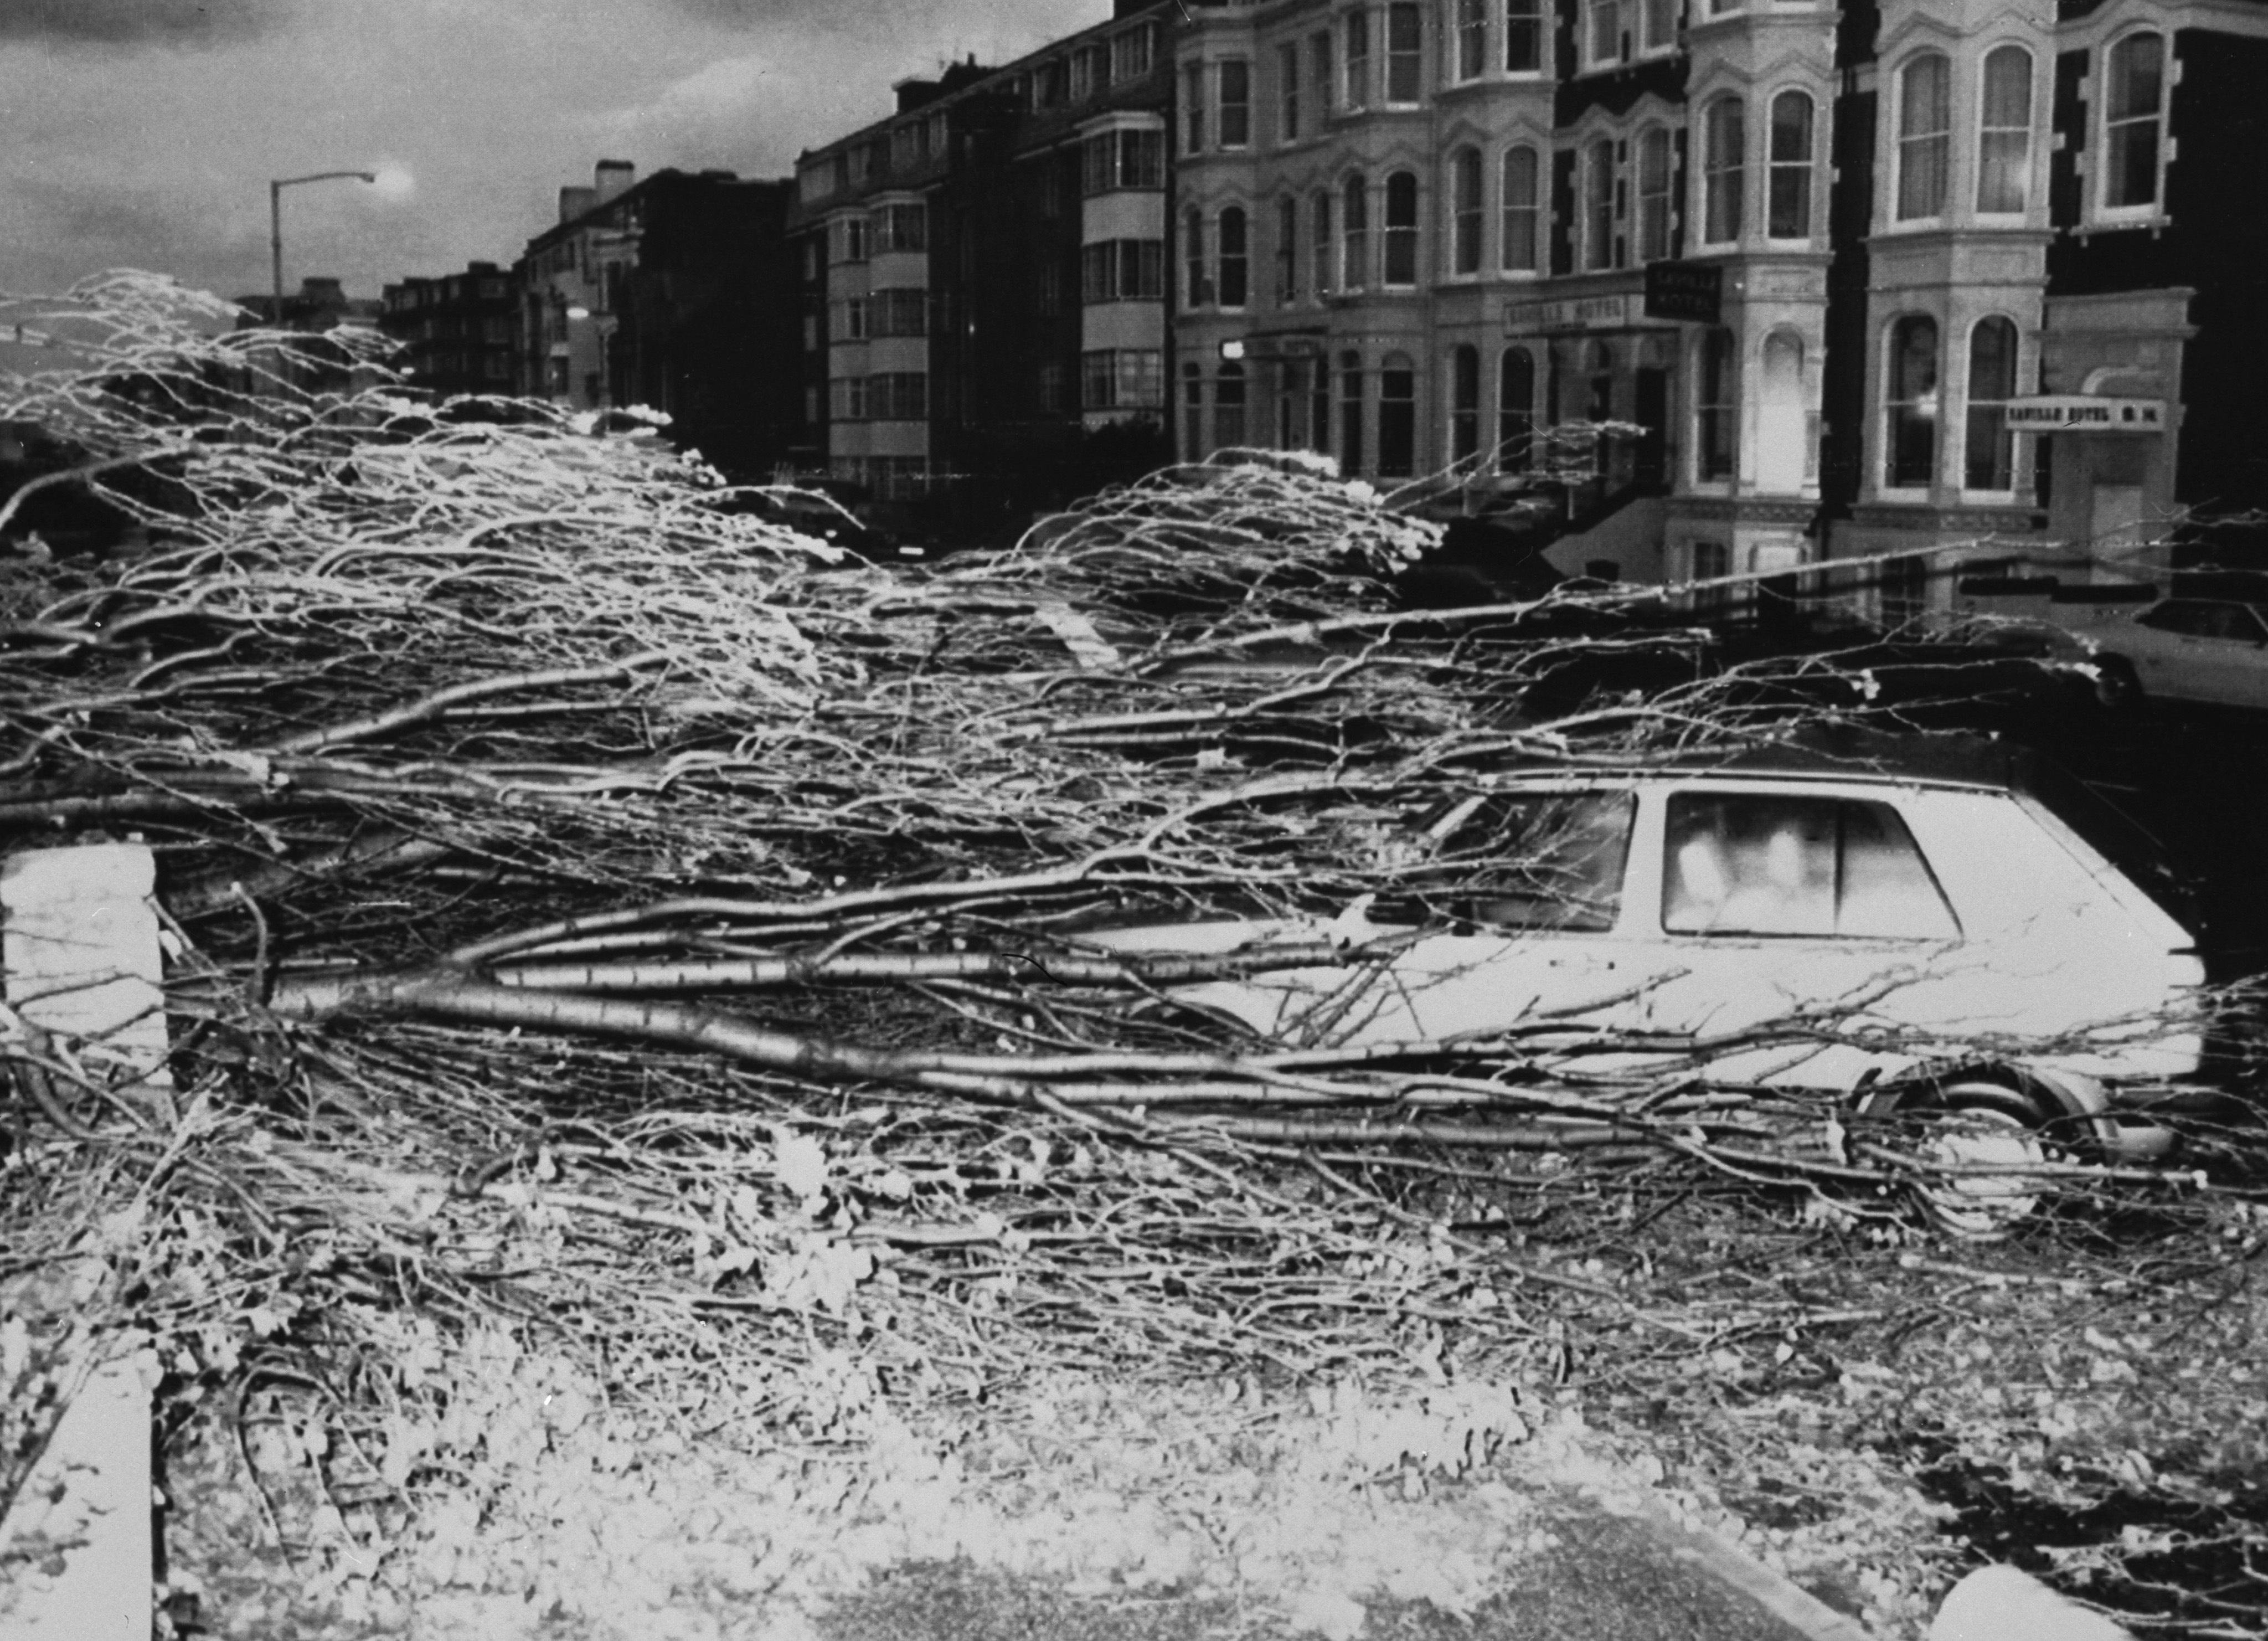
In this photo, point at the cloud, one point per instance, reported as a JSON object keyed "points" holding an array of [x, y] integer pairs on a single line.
{"points": [[130, 23]]}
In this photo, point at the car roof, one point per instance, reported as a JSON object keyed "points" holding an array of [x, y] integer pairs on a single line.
{"points": [[1831, 753]]}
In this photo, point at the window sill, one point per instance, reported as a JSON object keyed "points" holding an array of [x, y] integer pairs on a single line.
{"points": [[2153, 220]]}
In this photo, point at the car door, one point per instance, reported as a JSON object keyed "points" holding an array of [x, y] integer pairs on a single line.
{"points": [[1797, 922]]}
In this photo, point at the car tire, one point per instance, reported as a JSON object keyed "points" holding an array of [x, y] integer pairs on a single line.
{"points": [[1990, 1119], [2116, 685]]}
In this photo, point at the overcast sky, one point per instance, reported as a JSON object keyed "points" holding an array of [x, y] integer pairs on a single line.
{"points": [[143, 133]]}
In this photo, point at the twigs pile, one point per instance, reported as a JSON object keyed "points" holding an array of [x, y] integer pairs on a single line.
{"points": [[597, 908]]}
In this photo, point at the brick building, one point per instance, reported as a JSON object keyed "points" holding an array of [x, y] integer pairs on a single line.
{"points": [[984, 297]]}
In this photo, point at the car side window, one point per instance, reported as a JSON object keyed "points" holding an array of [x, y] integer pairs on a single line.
{"points": [[2235, 622], [1747, 863], [2175, 615], [1540, 859]]}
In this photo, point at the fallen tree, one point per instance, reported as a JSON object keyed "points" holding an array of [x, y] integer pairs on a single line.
{"points": [[597, 908]]}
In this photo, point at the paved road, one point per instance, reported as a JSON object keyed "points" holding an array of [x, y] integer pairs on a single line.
{"points": [[1610, 1578]]}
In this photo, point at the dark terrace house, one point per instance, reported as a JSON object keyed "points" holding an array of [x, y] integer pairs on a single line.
{"points": [[985, 279], [676, 293], [456, 329]]}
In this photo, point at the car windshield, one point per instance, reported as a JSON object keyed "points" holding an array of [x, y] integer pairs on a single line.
{"points": [[1769, 863], [1538, 860]]}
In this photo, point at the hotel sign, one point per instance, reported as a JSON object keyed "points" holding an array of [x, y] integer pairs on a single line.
{"points": [[1581, 313], [1694, 291], [2084, 413]]}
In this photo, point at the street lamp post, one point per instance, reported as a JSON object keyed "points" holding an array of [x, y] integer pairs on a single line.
{"points": [[276, 223]]}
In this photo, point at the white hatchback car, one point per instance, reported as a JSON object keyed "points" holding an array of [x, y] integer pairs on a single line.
{"points": [[1912, 923], [2209, 650]]}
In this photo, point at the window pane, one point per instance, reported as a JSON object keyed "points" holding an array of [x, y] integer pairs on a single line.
{"points": [[1727, 154], [1992, 382], [1520, 209], [1741, 865], [1885, 891], [2134, 106], [1515, 398], [1925, 137], [1598, 205], [1654, 194], [1523, 36], [1789, 207], [1913, 401], [2004, 132], [1765, 865], [1403, 31], [1543, 861], [1235, 103], [1472, 38]]}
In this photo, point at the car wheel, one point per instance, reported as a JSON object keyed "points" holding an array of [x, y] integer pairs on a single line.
{"points": [[1997, 1129], [2116, 686]]}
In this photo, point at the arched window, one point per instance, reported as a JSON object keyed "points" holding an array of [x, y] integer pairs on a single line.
{"points": [[1925, 136], [1717, 405], [1523, 36], [1520, 209], [1287, 250], [1787, 203], [1599, 204], [1654, 194], [1354, 234], [2003, 134], [2133, 116], [1193, 447], [1402, 229], [1515, 410], [1911, 439], [1234, 279], [1397, 417], [1319, 231], [1228, 407], [1465, 199], [1991, 463], [1725, 149], [1197, 290], [1464, 402], [1350, 413]]}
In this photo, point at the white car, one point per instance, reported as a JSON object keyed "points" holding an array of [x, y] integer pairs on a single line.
{"points": [[2208, 650], [1916, 925]]}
